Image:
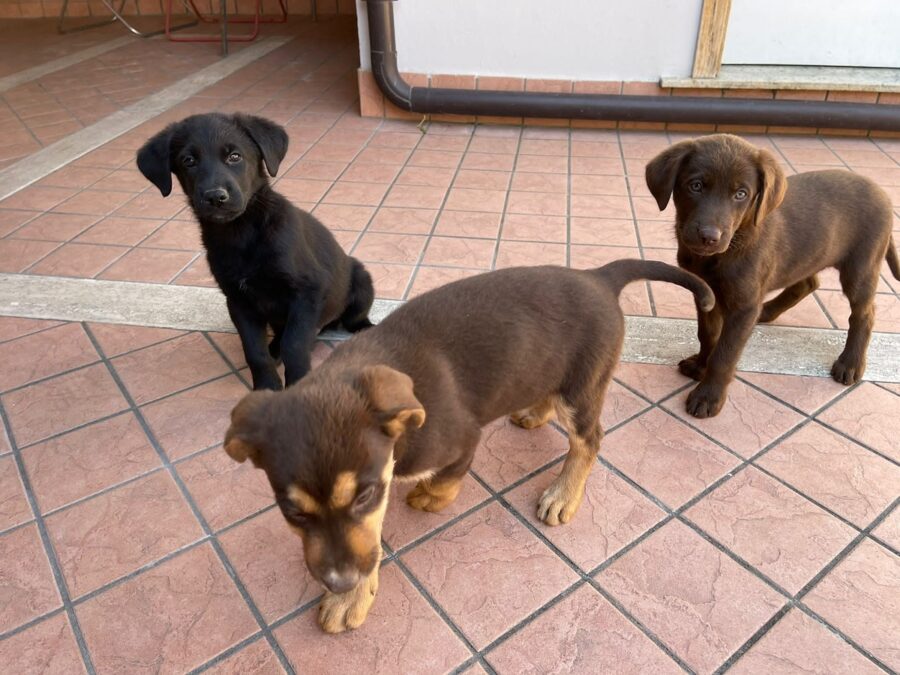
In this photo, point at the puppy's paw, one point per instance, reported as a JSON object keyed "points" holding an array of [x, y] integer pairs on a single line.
{"points": [[432, 497], [559, 503], [690, 367], [767, 315], [528, 419], [705, 400], [847, 373], [270, 381], [345, 611]]}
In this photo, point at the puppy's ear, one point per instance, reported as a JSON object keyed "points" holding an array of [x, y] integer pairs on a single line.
{"points": [[772, 185], [662, 171], [391, 399], [242, 440], [153, 161], [270, 138]]}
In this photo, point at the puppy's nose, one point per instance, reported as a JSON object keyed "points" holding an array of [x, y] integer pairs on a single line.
{"points": [[710, 235], [216, 196], [340, 581]]}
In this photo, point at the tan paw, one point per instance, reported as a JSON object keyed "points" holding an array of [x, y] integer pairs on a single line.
{"points": [[558, 503], [531, 418], [432, 496], [345, 611]]}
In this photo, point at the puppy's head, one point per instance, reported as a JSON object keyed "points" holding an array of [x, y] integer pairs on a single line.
{"points": [[720, 184], [218, 159], [327, 447]]}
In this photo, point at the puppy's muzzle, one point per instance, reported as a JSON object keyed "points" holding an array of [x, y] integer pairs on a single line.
{"points": [[340, 581], [216, 197]]}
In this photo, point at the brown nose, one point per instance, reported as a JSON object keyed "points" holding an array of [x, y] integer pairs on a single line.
{"points": [[710, 235], [340, 581]]}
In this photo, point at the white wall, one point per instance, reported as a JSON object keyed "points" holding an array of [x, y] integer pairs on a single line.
{"points": [[630, 40]]}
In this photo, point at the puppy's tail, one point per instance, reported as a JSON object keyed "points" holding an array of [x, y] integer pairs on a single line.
{"points": [[892, 260], [620, 273]]}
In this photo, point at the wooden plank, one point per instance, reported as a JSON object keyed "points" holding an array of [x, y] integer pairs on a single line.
{"points": [[711, 38]]}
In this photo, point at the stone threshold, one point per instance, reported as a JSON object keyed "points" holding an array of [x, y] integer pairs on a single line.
{"points": [[794, 78]]}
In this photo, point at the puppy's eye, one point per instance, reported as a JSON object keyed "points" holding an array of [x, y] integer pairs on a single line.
{"points": [[695, 186], [741, 195], [364, 497], [188, 161], [233, 158]]}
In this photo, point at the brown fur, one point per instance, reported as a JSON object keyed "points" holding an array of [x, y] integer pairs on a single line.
{"points": [[408, 398], [776, 234]]}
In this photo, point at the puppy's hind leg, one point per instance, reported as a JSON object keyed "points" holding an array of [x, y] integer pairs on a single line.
{"points": [[359, 299], [438, 491], [789, 297], [851, 364], [536, 416]]}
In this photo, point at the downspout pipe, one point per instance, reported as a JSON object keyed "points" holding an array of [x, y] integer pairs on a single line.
{"points": [[696, 110]]}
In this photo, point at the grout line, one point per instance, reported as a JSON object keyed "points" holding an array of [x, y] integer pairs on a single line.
{"points": [[753, 639], [55, 567], [569, 199], [512, 173]]}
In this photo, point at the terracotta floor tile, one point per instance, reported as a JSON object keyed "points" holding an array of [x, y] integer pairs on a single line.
{"points": [[178, 235], [71, 176], [70, 467], [428, 278], [390, 281], [303, 190], [121, 180], [861, 596], [748, 422], [403, 524], [117, 532], [786, 537], [806, 314], [598, 185], [194, 419], [12, 327], [540, 182], [119, 231], [38, 198], [11, 220], [539, 203], [402, 634], [507, 452], [488, 572], [602, 231], [657, 233], [94, 202], [50, 407], [533, 227], [116, 339], [230, 343], [799, 644], [468, 224], [870, 414], [55, 227], [171, 618], [516, 253], [415, 196], [357, 194], [151, 204], [341, 217], [463, 199], [18, 254], [806, 393], [27, 586], [149, 265], [491, 161], [441, 159], [612, 515], [255, 659], [460, 252], [14, 508], [403, 221], [78, 260], [168, 367], [268, 557], [581, 634], [484, 180], [653, 381], [698, 601], [887, 310], [43, 354], [428, 176], [389, 248], [224, 490], [320, 171], [587, 257], [47, 647], [836, 472], [619, 405]]}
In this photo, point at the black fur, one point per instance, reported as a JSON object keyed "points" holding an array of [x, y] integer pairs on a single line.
{"points": [[278, 266]]}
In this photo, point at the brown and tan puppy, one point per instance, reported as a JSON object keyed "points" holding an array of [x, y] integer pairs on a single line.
{"points": [[407, 400], [746, 230]]}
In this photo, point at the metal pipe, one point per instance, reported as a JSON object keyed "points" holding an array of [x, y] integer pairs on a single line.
{"points": [[763, 112]]}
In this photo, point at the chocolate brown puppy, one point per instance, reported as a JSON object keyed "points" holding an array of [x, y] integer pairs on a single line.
{"points": [[746, 230], [407, 399]]}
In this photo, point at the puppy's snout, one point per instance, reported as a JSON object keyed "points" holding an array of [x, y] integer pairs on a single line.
{"points": [[710, 236], [340, 581], [216, 196]]}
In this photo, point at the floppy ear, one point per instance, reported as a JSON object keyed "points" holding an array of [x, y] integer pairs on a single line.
{"points": [[247, 425], [662, 171], [772, 185], [153, 161], [391, 398], [270, 138]]}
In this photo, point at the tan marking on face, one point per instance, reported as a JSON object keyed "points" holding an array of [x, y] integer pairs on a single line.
{"points": [[303, 500], [366, 535], [343, 490]]}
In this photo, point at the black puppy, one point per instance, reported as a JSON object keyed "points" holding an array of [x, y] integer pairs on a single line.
{"points": [[276, 265]]}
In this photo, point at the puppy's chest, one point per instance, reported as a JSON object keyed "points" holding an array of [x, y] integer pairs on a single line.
{"points": [[252, 275]]}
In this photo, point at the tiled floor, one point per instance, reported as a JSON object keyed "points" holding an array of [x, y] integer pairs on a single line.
{"points": [[763, 540]]}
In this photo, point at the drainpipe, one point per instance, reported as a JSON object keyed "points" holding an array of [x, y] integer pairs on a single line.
{"points": [[764, 112]]}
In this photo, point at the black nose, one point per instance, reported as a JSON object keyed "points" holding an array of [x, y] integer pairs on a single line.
{"points": [[216, 196], [710, 235]]}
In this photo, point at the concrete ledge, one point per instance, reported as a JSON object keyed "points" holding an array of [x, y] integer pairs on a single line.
{"points": [[818, 78]]}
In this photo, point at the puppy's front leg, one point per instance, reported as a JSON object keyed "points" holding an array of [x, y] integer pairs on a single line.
{"points": [[251, 326], [342, 611], [708, 397], [709, 328], [299, 336]]}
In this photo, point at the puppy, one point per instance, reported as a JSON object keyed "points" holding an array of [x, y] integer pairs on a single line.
{"points": [[746, 230], [408, 398], [278, 266]]}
